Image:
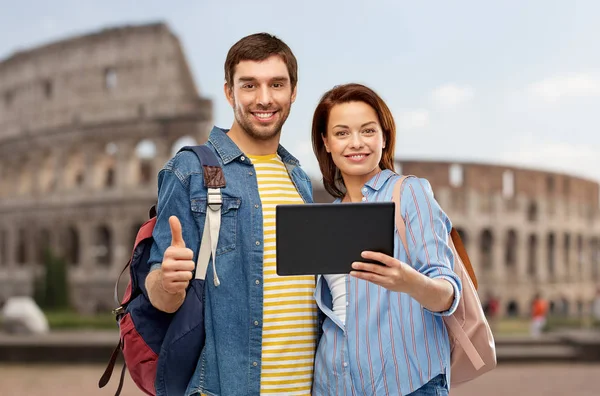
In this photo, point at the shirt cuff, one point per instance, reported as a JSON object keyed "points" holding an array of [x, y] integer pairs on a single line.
{"points": [[154, 267], [456, 300]]}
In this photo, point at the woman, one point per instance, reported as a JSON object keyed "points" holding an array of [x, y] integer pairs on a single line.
{"points": [[383, 332]]}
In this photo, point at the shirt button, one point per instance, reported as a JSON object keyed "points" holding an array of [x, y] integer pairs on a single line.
{"points": [[256, 206], [255, 364], [364, 190], [347, 303], [243, 158], [256, 323], [257, 282], [345, 364], [364, 199], [257, 243], [250, 173]]}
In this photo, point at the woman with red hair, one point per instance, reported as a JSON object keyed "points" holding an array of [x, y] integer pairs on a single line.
{"points": [[383, 333]]}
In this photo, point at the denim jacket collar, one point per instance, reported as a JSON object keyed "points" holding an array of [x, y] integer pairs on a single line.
{"points": [[229, 151]]}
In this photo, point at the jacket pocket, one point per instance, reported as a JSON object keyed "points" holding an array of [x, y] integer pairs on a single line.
{"points": [[229, 220]]}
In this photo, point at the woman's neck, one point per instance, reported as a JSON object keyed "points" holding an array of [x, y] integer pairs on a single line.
{"points": [[354, 184]]}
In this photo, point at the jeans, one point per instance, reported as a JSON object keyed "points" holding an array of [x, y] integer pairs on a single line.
{"points": [[435, 387]]}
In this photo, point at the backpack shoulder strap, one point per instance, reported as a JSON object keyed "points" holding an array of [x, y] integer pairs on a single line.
{"points": [[454, 237], [214, 180], [400, 225]]}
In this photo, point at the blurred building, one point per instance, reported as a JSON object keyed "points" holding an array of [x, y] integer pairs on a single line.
{"points": [[525, 231], [85, 125]]}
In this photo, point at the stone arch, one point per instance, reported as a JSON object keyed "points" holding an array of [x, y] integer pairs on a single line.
{"points": [[486, 243], [550, 254], [532, 246], [182, 141], [145, 152], [21, 247], [511, 249], [595, 258], [567, 252], [532, 212], [47, 173], [71, 246], [42, 245], [74, 171], [3, 247], [105, 166], [26, 177], [580, 258], [103, 246]]}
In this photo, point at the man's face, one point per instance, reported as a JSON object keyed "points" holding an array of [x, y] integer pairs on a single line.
{"points": [[261, 96]]}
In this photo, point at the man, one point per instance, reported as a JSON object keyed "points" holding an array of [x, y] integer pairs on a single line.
{"points": [[261, 329]]}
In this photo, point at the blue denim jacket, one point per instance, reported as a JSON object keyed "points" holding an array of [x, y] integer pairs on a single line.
{"points": [[230, 363]]}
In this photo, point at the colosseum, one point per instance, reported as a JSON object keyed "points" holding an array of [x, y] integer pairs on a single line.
{"points": [[525, 231], [86, 123]]}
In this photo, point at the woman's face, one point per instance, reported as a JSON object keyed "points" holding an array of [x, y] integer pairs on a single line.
{"points": [[355, 139]]}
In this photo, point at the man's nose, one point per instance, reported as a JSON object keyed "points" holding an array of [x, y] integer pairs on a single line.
{"points": [[264, 97]]}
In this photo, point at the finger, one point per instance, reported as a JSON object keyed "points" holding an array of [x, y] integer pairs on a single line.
{"points": [[382, 258], [179, 253], [370, 277], [180, 265], [373, 268], [176, 233], [178, 276]]}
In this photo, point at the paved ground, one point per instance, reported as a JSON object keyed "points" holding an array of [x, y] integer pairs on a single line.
{"points": [[526, 380]]}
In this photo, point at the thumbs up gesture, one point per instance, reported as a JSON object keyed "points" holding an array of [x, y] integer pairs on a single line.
{"points": [[178, 264]]}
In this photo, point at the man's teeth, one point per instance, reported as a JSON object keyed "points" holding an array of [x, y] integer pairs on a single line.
{"points": [[263, 115]]}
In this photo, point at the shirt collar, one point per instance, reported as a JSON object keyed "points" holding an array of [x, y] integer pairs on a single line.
{"points": [[379, 179], [229, 151]]}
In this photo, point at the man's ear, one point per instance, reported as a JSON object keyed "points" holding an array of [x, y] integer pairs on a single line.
{"points": [[228, 94], [294, 92]]}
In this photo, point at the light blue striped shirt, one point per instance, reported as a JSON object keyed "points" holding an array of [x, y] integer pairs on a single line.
{"points": [[390, 345]]}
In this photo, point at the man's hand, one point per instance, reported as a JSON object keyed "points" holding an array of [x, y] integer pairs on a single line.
{"points": [[177, 264]]}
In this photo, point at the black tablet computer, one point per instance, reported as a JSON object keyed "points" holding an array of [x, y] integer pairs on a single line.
{"points": [[327, 238]]}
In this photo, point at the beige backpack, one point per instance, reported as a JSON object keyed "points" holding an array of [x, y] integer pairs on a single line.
{"points": [[473, 351]]}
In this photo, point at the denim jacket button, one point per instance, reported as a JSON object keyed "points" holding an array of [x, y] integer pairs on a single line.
{"points": [[255, 364], [242, 158], [257, 243], [256, 323]]}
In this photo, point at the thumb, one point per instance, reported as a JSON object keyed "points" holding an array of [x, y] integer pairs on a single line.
{"points": [[176, 233]]}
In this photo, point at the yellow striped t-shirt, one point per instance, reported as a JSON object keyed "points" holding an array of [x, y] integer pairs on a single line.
{"points": [[290, 312]]}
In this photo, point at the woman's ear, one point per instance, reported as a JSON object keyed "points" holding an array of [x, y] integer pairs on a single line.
{"points": [[325, 143]]}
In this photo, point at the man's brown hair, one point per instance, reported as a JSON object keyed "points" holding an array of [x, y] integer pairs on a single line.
{"points": [[258, 47]]}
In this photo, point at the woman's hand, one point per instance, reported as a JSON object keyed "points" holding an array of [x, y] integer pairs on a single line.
{"points": [[435, 295], [392, 273]]}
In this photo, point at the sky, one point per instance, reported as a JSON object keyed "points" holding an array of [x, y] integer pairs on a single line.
{"points": [[510, 82]]}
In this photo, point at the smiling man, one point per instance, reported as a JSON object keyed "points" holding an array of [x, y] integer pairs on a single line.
{"points": [[261, 329]]}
